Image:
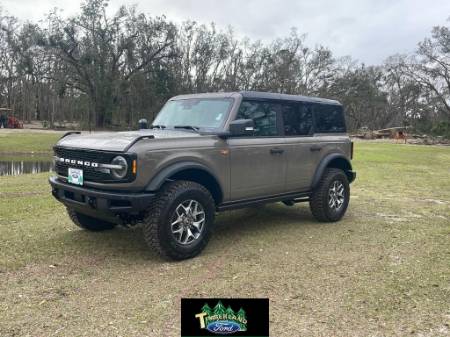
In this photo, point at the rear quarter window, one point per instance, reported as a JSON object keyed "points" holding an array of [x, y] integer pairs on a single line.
{"points": [[328, 118]]}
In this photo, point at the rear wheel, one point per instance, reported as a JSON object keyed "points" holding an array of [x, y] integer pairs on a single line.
{"points": [[179, 223], [89, 223], [330, 199]]}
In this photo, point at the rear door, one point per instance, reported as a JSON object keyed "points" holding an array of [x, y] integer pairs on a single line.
{"points": [[258, 163], [330, 130], [302, 151]]}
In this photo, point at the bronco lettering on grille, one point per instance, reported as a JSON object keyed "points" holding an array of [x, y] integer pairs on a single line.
{"points": [[78, 162]]}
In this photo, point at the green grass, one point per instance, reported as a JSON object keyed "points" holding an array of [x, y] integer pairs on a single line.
{"points": [[384, 270], [36, 157], [27, 142]]}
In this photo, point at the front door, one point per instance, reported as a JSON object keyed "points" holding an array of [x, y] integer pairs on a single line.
{"points": [[258, 163]]}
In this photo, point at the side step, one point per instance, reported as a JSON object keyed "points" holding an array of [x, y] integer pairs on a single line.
{"points": [[287, 197], [292, 202]]}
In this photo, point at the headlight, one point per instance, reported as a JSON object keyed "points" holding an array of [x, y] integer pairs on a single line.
{"points": [[119, 173]]}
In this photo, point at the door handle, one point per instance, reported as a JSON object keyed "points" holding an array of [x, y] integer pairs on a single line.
{"points": [[315, 148], [276, 150]]}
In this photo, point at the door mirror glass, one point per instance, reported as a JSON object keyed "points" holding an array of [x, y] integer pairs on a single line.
{"points": [[242, 127]]}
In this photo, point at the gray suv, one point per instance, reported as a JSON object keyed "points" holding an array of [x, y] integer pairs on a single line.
{"points": [[207, 153]]}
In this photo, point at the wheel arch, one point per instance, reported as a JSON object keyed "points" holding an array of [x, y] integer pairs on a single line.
{"points": [[191, 171], [334, 160]]}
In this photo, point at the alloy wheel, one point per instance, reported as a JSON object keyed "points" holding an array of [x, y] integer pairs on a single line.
{"points": [[188, 222], [336, 195]]}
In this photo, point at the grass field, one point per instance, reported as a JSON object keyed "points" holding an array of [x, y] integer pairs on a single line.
{"points": [[384, 270], [25, 141]]}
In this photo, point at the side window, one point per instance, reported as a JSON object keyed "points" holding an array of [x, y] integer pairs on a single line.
{"points": [[264, 115], [297, 118], [328, 118]]}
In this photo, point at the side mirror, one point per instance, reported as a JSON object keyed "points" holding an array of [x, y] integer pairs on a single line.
{"points": [[143, 124], [242, 127]]}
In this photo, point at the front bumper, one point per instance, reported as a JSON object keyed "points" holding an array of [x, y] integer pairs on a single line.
{"points": [[100, 203]]}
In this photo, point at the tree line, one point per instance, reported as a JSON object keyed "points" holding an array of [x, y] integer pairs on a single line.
{"points": [[108, 71]]}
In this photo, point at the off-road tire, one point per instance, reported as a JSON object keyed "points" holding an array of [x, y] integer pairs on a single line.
{"points": [[318, 202], [89, 223], [156, 223]]}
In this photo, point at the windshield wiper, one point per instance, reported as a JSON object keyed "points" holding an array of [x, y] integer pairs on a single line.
{"points": [[188, 127], [157, 126]]}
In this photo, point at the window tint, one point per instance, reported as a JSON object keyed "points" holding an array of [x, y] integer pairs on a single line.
{"points": [[264, 115], [328, 118], [297, 119]]}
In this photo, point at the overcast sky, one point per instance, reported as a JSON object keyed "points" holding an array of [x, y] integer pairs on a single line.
{"points": [[367, 30]]}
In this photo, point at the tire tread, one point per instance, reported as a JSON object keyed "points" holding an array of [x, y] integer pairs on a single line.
{"points": [[317, 203], [155, 218]]}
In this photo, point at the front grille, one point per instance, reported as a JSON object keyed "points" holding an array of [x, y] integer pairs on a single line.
{"points": [[89, 173], [89, 155]]}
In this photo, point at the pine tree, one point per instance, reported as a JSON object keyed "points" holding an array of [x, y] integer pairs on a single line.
{"points": [[241, 314], [219, 309], [230, 312], [206, 309], [242, 317]]}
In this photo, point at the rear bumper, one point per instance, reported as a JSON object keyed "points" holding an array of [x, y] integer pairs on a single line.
{"points": [[104, 203]]}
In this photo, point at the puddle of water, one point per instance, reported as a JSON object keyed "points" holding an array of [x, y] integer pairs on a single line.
{"points": [[17, 166]]}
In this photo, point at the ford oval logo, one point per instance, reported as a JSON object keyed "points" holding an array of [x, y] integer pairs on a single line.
{"points": [[223, 327]]}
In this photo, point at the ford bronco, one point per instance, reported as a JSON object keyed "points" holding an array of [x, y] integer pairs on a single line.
{"points": [[203, 154]]}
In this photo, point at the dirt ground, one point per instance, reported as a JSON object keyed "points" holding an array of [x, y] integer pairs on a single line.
{"points": [[384, 270]]}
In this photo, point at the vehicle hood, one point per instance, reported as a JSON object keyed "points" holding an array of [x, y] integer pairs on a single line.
{"points": [[118, 141]]}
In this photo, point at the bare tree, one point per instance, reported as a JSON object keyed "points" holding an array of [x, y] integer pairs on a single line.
{"points": [[104, 54], [106, 71]]}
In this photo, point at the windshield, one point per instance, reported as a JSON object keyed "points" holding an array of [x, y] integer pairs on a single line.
{"points": [[204, 113]]}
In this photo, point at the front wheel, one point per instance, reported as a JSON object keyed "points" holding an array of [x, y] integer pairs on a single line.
{"points": [[329, 201], [179, 223]]}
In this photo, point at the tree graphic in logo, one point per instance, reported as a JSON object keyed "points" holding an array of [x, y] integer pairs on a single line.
{"points": [[206, 309], [222, 320], [241, 318], [219, 309]]}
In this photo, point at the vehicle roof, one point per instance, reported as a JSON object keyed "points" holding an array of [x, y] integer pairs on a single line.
{"points": [[286, 97], [260, 95]]}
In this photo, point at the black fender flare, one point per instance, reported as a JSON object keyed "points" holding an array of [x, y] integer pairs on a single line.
{"points": [[161, 177], [324, 164]]}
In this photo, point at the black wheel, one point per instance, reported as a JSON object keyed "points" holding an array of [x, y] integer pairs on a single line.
{"points": [[179, 223], [330, 199], [89, 223]]}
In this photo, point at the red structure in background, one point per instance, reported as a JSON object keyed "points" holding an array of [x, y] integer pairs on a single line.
{"points": [[14, 123], [8, 121]]}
